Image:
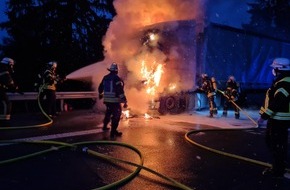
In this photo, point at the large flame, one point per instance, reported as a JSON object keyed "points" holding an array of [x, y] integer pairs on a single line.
{"points": [[145, 64], [151, 76], [145, 61]]}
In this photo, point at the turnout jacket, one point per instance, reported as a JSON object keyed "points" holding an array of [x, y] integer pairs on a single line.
{"points": [[6, 83], [209, 86], [6, 80], [232, 90], [112, 87], [49, 80], [277, 101]]}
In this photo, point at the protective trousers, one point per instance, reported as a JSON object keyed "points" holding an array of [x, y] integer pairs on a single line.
{"points": [[228, 103], [212, 105], [5, 107], [50, 102], [113, 114], [277, 142]]}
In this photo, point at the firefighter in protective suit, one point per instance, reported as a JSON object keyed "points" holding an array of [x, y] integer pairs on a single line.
{"points": [[50, 79], [209, 86], [111, 89], [276, 110], [231, 93], [6, 83]]}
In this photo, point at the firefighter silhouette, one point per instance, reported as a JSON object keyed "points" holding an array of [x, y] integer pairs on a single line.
{"points": [[209, 87], [6, 84], [111, 89], [231, 93]]}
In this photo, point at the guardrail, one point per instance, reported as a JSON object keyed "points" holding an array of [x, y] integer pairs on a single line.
{"points": [[59, 95]]}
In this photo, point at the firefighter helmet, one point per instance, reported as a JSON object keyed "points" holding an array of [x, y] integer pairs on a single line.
{"points": [[113, 67], [232, 78], [52, 64], [204, 75], [281, 64], [7, 61]]}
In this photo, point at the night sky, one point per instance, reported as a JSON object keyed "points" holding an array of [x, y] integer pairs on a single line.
{"points": [[3, 17], [232, 13]]}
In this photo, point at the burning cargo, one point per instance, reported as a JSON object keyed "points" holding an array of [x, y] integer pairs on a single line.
{"points": [[166, 64], [157, 63]]}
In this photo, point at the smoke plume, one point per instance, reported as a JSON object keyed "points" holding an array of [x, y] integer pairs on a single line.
{"points": [[124, 44]]}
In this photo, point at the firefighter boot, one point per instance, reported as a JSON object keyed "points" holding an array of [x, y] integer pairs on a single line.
{"points": [[211, 113], [105, 128], [105, 124], [237, 115], [225, 113], [115, 133]]}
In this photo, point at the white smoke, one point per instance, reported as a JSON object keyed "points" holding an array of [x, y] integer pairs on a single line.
{"points": [[123, 45]]}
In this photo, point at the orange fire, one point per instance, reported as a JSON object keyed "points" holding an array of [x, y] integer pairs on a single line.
{"points": [[152, 76]]}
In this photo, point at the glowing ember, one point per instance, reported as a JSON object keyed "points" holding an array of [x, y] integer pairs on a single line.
{"points": [[152, 36], [147, 116], [172, 86], [126, 113]]}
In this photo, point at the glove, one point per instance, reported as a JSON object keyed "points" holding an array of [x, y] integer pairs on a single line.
{"points": [[101, 96], [125, 105]]}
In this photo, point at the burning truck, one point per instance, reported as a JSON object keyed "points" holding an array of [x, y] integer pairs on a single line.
{"points": [[158, 64], [167, 62]]}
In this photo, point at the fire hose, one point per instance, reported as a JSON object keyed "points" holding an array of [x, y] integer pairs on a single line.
{"points": [[84, 149], [257, 162], [50, 121], [75, 146], [246, 114], [62, 145]]}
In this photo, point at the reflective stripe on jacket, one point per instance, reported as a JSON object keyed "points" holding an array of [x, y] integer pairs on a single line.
{"points": [[112, 87], [277, 101], [49, 80]]}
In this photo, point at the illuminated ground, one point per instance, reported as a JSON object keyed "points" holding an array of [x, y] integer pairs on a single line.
{"points": [[162, 142]]}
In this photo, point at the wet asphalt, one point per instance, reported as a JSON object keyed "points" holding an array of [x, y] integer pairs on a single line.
{"points": [[160, 140]]}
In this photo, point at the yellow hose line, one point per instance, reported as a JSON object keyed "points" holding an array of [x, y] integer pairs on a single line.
{"points": [[225, 153], [238, 107], [139, 166], [221, 152], [60, 144], [74, 146], [115, 160], [50, 121]]}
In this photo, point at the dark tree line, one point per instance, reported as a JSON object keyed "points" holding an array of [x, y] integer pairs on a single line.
{"points": [[271, 18], [67, 31], [71, 31]]}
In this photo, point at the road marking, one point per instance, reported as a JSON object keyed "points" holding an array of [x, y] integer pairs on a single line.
{"points": [[60, 135]]}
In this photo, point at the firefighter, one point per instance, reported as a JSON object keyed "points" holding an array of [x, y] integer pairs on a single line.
{"points": [[276, 111], [231, 93], [50, 79], [111, 89], [6, 83], [209, 87]]}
